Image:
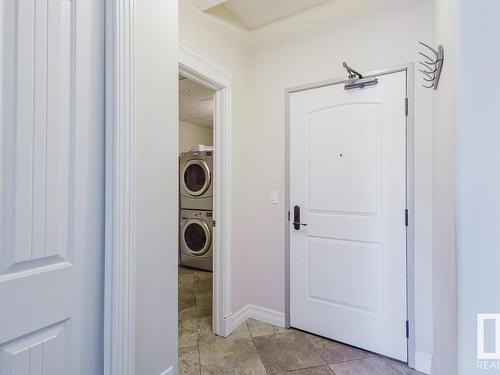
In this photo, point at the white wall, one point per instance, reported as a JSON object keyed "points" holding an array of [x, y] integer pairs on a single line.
{"points": [[226, 44], [478, 173], [156, 188], [309, 47], [192, 134], [304, 48], [443, 188]]}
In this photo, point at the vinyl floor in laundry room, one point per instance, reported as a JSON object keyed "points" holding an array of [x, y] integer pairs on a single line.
{"points": [[257, 348]]}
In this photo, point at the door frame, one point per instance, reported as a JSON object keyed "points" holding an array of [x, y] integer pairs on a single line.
{"points": [[409, 69], [119, 271], [199, 68], [119, 296]]}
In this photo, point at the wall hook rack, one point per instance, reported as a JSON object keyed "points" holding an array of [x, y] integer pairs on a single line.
{"points": [[432, 66]]}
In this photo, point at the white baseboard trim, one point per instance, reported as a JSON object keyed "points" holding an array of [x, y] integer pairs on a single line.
{"points": [[262, 314], [169, 371], [423, 362]]}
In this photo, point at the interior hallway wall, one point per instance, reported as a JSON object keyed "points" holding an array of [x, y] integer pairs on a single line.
{"points": [[478, 176], [192, 134], [227, 45], [155, 186], [444, 195], [310, 47]]}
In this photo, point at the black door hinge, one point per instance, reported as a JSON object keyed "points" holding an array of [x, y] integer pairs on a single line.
{"points": [[406, 217], [288, 215], [406, 106], [213, 223], [407, 329]]}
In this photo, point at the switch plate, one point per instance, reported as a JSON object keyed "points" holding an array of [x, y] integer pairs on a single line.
{"points": [[274, 197]]}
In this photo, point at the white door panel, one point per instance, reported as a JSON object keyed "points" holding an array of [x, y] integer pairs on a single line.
{"points": [[352, 129], [52, 186], [348, 175]]}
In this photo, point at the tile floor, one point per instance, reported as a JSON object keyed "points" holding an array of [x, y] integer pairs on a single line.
{"points": [[257, 348]]}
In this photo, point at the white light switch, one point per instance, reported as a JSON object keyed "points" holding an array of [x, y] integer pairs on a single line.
{"points": [[274, 197]]}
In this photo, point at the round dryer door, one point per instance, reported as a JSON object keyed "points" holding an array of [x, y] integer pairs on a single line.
{"points": [[196, 179], [196, 236]]}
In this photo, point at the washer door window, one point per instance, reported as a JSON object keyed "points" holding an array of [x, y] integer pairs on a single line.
{"points": [[196, 179], [196, 236]]}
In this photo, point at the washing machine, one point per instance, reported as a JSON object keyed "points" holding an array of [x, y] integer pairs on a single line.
{"points": [[196, 237], [195, 180]]}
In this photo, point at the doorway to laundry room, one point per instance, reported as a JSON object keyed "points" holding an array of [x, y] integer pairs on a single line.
{"points": [[196, 193]]}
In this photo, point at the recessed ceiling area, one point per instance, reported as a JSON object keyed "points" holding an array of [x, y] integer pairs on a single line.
{"points": [[255, 13], [195, 103]]}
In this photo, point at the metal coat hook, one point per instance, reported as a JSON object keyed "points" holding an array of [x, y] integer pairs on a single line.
{"points": [[432, 66]]}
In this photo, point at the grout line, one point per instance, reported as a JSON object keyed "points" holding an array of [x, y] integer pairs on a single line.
{"points": [[199, 354], [255, 346], [312, 368]]}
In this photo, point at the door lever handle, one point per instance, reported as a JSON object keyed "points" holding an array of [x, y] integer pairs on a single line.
{"points": [[296, 218]]}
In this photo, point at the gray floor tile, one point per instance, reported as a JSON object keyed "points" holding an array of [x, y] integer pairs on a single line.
{"points": [[186, 302], [205, 324], [335, 352], [255, 343], [263, 329], [189, 330], [184, 270], [203, 287], [233, 355], [189, 313], [187, 290], [187, 280], [403, 368], [203, 275], [323, 370], [287, 351], [367, 366], [204, 305], [189, 361]]}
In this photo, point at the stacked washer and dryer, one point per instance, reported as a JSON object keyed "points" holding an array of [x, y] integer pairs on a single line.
{"points": [[196, 205]]}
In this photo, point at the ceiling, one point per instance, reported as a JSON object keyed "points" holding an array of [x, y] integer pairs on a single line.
{"points": [[195, 103], [255, 13]]}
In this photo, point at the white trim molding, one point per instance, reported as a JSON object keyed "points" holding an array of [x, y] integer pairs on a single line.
{"points": [[262, 314], [119, 248], [423, 362], [169, 371], [199, 68]]}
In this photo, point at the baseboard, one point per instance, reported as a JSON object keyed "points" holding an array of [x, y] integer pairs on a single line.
{"points": [[169, 371], [262, 314], [269, 316], [233, 321], [423, 362]]}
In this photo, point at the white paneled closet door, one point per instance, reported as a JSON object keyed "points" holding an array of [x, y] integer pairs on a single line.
{"points": [[52, 186]]}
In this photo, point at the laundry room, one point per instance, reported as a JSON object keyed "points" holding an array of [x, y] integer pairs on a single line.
{"points": [[196, 205]]}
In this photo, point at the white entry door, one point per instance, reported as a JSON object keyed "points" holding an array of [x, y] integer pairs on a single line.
{"points": [[348, 177], [52, 187]]}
